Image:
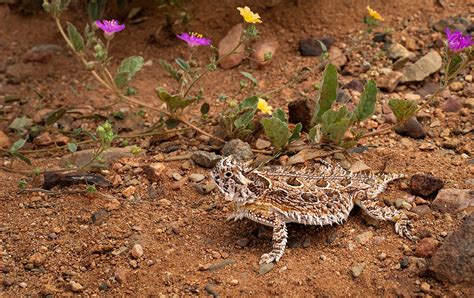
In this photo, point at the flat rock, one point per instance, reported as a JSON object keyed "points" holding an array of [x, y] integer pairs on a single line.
{"points": [[337, 57], [265, 268], [205, 159], [312, 46], [357, 269], [411, 128], [41, 53], [121, 275], [154, 171], [110, 155], [239, 149], [452, 105], [425, 66], [396, 51], [453, 262], [261, 51], [195, 177], [453, 200], [227, 44], [262, 144], [425, 185], [389, 81]]}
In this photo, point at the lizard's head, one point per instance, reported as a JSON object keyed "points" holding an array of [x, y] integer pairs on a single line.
{"points": [[228, 174]]}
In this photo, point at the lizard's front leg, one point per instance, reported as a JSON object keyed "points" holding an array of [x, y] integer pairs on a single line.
{"points": [[280, 238], [403, 225]]}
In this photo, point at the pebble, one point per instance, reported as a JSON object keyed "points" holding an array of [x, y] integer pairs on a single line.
{"points": [[405, 262], [137, 251], [425, 66], [262, 144], [456, 86], [204, 189], [4, 140], [22, 285], [426, 247], [411, 96], [452, 105], [112, 205], [196, 177], [357, 269], [243, 242], [239, 149], [205, 159], [389, 81], [425, 287], [265, 268], [37, 259], [453, 200], [234, 282], [129, 191], [382, 256], [411, 128], [364, 238], [154, 171], [176, 176], [76, 287], [8, 281], [121, 275], [425, 185], [312, 46]]}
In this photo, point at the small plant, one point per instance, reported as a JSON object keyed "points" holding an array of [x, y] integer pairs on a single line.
{"points": [[277, 130], [331, 126]]}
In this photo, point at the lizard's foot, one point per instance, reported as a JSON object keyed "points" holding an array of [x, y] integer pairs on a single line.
{"points": [[268, 258], [404, 228]]}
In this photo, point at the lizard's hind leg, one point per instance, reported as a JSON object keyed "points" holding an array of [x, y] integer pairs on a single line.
{"points": [[280, 238], [403, 225]]}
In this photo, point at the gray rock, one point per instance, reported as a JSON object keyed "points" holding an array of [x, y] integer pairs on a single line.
{"points": [[265, 268], [411, 128], [452, 105], [83, 157], [227, 44], [453, 262], [425, 185], [312, 46], [453, 200], [396, 51], [195, 177], [221, 264], [204, 189], [428, 64], [238, 149], [357, 269], [205, 159], [389, 81]]}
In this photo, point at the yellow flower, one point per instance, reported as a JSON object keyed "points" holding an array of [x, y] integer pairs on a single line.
{"points": [[373, 14], [248, 15], [264, 107]]}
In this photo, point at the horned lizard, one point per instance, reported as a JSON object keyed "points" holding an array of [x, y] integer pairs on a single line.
{"points": [[325, 195]]}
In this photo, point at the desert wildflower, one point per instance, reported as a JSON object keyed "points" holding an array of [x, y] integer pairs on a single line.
{"points": [[110, 27], [248, 15], [194, 39], [373, 14], [456, 41], [264, 107]]}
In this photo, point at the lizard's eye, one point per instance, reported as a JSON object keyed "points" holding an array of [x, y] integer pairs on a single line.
{"points": [[228, 174]]}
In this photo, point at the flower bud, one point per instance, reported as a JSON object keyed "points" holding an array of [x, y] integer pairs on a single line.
{"points": [[90, 65]]}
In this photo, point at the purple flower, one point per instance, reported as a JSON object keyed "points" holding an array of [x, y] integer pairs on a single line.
{"points": [[194, 39], [456, 41], [110, 27]]}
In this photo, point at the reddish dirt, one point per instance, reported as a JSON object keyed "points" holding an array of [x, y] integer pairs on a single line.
{"points": [[185, 234]]}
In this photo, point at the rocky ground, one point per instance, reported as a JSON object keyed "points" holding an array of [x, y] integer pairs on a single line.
{"points": [[157, 225]]}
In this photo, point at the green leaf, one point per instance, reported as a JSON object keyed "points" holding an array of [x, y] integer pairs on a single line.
{"points": [[332, 116], [54, 116], [170, 69], [171, 123], [250, 77], [328, 92], [131, 66], [121, 79], [276, 130], [366, 106], [249, 102], [75, 38], [182, 63], [403, 109], [21, 157], [20, 122], [17, 145], [336, 131], [295, 134], [244, 120], [453, 66], [95, 9], [280, 114], [72, 147], [314, 134], [172, 102]]}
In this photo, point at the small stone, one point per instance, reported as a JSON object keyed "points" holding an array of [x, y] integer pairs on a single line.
{"points": [[228, 44], [396, 51], [421, 210], [196, 177], [452, 105], [426, 247], [22, 285], [262, 144], [137, 251], [37, 259], [100, 216], [243, 242], [204, 189], [154, 171], [120, 250], [76, 287], [121, 275], [312, 46], [411, 128], [382, 256], [405, 262], [359, 166], [176, 176], [456, 86], [389, 81], [112, 205], [8, 281], [411, 96], [364, 238], [337, 57], [129, 191], [164, 202], [357, 269], [425, 185], [453, 200], [133, 264], [240, 150], [262, 53], [425, 287], [4, 140], [265, 268], [234, 282], [205, 159]]}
